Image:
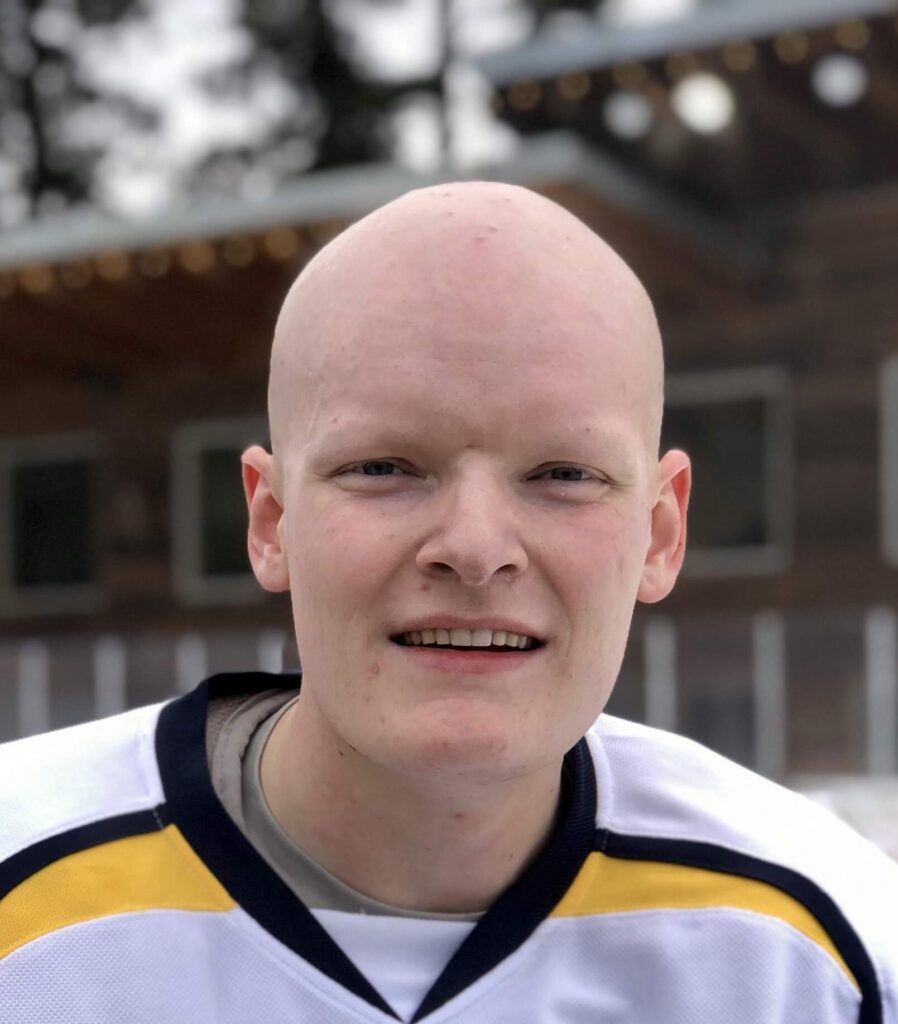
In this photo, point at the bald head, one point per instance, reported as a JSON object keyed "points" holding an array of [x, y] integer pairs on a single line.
{"points": [[480, 264]]}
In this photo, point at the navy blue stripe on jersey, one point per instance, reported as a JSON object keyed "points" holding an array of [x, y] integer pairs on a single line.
{"points": [[515, 915], [719, 858], [22, 865], [195, 809]]}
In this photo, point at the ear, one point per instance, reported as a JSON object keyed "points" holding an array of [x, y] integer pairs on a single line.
{"points": [[668, 539], [267, 552]]}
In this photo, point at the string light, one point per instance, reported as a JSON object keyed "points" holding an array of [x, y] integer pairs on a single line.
{"points": [[38, 279], [629, 75], [840, 79], [573, 87], [791, 47], [239, 251], [678, 65], [740, 56], [324, 231], [525, 95], [281, 243], [628, 114], [155, 263], [197, 257], [76, 275], [703, 102], [852, 34], [113, 266]]}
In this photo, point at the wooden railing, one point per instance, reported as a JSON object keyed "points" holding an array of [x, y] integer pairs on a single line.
{"points": [[786, 694]]}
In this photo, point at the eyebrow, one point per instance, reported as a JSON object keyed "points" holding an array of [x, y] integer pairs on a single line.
{"points": [[387, 439], [366, 433]]}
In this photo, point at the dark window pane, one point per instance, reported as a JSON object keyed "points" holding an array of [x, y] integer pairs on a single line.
{"points": [[223, 513], [52, 515], [725, 441]]}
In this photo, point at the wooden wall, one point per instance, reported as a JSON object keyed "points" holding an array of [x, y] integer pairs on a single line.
{"points": [[135, 358]]}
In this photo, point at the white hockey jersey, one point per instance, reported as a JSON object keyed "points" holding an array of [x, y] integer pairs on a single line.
{"points": [[678, 888]]}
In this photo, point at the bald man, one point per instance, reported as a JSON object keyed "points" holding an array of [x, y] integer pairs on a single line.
{"points": [[464, 499]]}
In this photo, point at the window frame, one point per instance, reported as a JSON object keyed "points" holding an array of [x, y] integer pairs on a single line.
{"points": [[772, 385], [189, 442], [47, 599]]}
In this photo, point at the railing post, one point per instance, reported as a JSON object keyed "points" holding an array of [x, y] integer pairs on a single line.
{"points": [[769, 685], [660, 640], [191, 661], [110, 676], [33, 686], [881, 690], [271, 651]]}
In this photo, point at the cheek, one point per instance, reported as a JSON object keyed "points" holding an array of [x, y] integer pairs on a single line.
{"points": [[601, 564], [339, 563]]}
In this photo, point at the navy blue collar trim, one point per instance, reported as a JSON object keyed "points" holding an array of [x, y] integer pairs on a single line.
{"points": [[811, 896], [194, 807], [517, 913]]}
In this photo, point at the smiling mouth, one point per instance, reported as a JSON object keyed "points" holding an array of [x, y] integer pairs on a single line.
{"points": [[468, 640]]}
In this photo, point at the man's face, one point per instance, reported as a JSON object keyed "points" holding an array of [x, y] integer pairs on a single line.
{"points": [[464, 460]]}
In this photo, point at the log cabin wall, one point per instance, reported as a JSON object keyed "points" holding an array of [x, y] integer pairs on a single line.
{"points": [[129, 362]]}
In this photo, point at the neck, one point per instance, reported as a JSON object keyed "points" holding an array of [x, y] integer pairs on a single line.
{"points": [[416, 843]]}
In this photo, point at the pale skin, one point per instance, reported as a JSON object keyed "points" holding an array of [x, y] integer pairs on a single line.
{"points": [[465, 403]]}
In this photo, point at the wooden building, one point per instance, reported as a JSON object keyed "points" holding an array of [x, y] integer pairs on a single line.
{"points": [[135, 360]]}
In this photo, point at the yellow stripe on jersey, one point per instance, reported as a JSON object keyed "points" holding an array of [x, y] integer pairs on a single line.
{"points": [[156, 870], [610, 885]]}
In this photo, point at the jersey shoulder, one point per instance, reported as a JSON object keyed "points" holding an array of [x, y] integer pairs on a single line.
{"points": [[659, 783], [655, 785], [69, 779]]}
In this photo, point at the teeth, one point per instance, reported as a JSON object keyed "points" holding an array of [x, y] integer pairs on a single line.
{"points": [[469, 638]]}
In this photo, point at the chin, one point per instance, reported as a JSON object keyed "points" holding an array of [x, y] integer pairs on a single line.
{"points": [[470, 749]]}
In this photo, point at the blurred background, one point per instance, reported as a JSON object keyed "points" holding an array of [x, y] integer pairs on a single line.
{"points": [[167, 167]]}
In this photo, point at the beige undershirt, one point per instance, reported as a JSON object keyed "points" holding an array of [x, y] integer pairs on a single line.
{"points": [[237, 729]]}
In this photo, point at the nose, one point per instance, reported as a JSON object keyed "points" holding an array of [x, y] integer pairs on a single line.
{"points": [[475, 537]]}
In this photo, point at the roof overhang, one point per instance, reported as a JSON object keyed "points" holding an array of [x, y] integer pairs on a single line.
{"points": [[563, 52], [337, 197]]}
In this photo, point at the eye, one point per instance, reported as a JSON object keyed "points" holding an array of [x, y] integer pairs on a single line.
{"points": [[567, 474], [376, 467]]}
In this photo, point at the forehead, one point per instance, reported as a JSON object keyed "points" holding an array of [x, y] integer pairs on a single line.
{"points": [[501, 316], [486, 376]]}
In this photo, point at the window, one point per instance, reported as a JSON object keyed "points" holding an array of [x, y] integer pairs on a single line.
{"points": [[735, 427], [209, 511], [48, 524]]}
